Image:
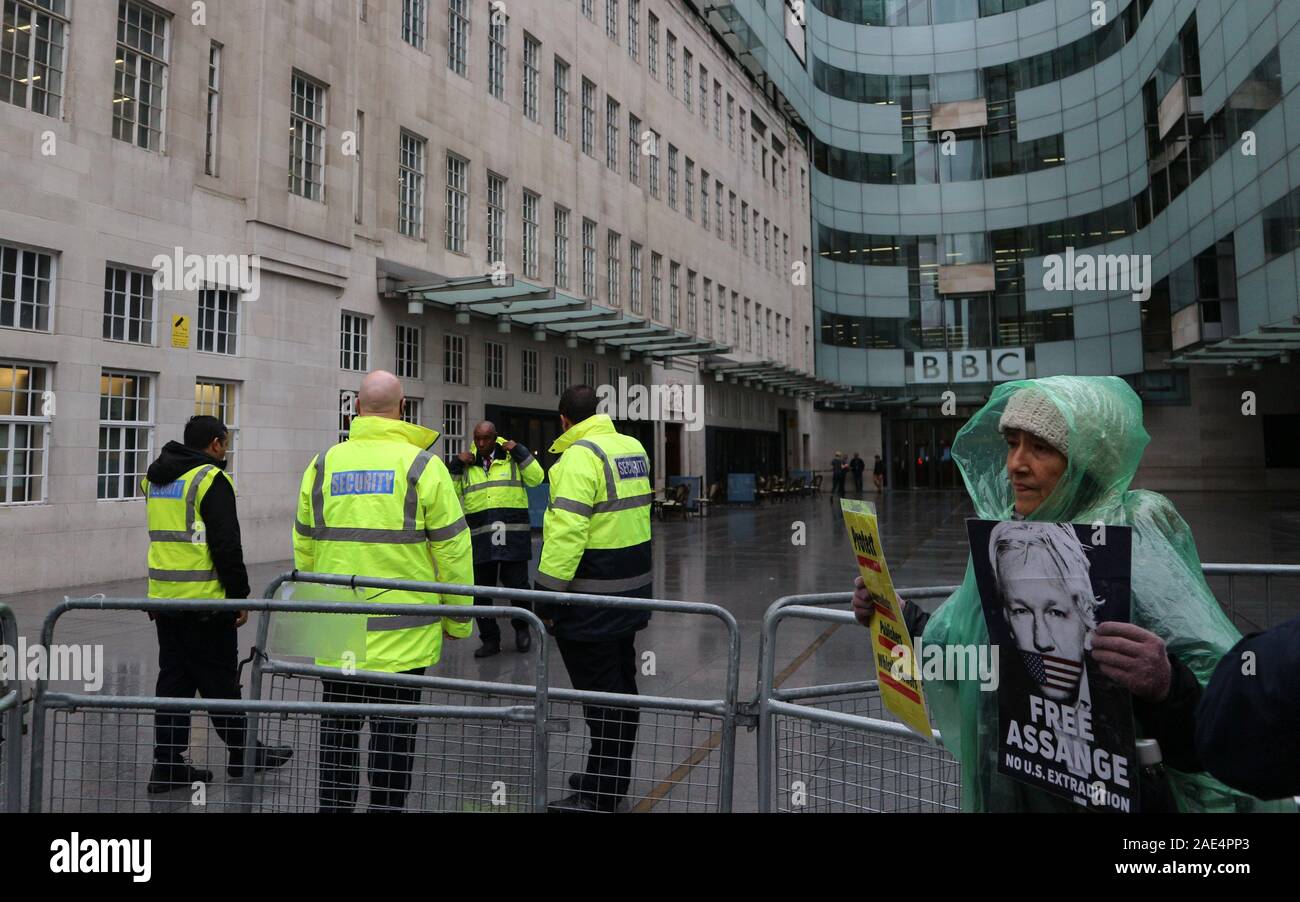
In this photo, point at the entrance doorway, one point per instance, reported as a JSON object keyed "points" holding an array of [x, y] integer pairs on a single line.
{"points": [[672, 449], [920, 453]]}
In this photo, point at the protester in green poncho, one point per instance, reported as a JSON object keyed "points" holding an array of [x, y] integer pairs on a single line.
{"points": [[1064, 449]]}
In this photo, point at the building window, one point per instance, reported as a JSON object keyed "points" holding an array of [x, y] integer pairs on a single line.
{"points": [[409, 342], [744, 228], [129, 300], [25, 415], [589, 373], [457, 35], [498, 23], [633, 149], [690, 302], [561, 247], [611, 20], [457, 202], [218, 326], [688, 85], [125, 433], [708, 307], [32, 60], [654, 164], [744, 123], [494, 365], [670, 63], [347, 410], [614, 374], [496, 220], [721, 329], [674, 290], [634, 285], [140, 76], [410, 186], [731, 122], [358, 175], [588, 118], [731, 215], [453, 427], [532, 234], [414, 15], [704, 199], [589, 9], [214, 109], [717, 109], [307, 139], [613, 265], [453, 359], [611, 133], [528, 370], [717, 200], [634, 29], [652, 45], [354, 342], [656, 284], [26, 288], [689, 194], [704, 96], [561, 99], [588, 258], [412, 410], [561, 374], [217, 399], [672, 177], [532, 77]]}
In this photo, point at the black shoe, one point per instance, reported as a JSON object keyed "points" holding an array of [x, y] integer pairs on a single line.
{"points": [[267, 757], [575, 781], [579, 802], [488, 649], [523, 638], [167, 776]]}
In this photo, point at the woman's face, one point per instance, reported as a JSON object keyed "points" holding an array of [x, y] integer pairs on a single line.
{"points": [[1034, 468]]}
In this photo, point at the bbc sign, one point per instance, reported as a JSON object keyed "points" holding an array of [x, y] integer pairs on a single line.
{"points": [[997, 365]]}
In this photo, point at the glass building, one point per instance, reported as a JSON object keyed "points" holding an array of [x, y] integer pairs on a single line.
{"points": [[1016, 188]]}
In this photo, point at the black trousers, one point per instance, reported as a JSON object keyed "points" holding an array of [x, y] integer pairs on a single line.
{"points": [[392, 743], [857, 481], [196, 656], [608, 666], [512, 575]]}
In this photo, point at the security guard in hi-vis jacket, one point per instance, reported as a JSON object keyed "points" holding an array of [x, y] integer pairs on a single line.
{"points": [[382, 504], [493, 483], [596, 539], [195, 552]]}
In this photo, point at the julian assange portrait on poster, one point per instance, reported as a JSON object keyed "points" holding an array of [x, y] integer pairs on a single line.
{"points": [[1063, 725]]}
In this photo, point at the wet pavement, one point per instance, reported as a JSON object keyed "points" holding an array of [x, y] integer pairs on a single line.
{"points": [[741, 559]]}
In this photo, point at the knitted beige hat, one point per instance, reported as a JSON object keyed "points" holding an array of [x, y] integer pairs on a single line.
{"points": [[1032, 411]]}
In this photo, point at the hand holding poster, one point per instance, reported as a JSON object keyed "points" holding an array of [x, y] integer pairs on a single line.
{"points": [[891, 646], [1064, 727]]}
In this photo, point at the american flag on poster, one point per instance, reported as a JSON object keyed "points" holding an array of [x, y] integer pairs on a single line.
{"points": [[1058, 672]]}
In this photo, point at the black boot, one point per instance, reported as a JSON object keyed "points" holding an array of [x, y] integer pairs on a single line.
{"points": [[488, 649], [169, 775], [266, 757], [523, 637]]}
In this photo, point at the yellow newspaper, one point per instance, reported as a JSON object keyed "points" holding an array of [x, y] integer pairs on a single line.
{"points": [[897, 669]]}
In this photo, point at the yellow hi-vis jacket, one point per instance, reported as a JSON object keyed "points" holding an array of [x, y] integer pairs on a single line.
{"points": [[382, 504], [180, 563], [496, 502], [596, 534]]}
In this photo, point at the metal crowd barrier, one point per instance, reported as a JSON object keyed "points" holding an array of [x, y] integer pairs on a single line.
{"points": [[683, 756], [93, 752], [835, 747], [11, 722]]}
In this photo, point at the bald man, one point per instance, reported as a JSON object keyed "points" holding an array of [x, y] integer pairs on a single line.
{"points": [[382, 504]]}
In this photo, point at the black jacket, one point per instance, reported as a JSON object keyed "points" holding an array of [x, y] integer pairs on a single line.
{"points": [[1248, 723], [217, 511]]}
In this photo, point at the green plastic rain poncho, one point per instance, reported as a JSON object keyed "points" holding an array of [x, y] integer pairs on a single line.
{"points": [[1169, 594]]}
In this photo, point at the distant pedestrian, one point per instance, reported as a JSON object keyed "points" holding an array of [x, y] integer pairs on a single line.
{"points": [[878, 474], [858, 466], [838, 471]]}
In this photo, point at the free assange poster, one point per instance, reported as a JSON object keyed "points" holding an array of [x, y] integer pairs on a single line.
{"points": [[1064, 726]]}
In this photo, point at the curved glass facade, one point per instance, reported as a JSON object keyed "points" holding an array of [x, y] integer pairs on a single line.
{"points": [[958, 149]]}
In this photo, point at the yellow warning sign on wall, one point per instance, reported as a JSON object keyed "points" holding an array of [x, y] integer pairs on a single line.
{"points": [[180, 331]]}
